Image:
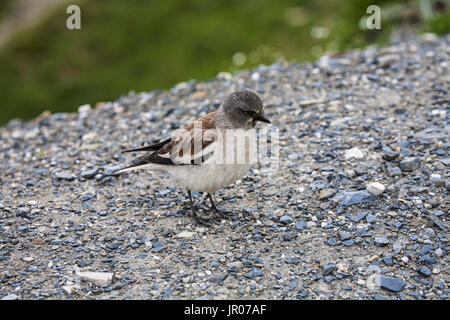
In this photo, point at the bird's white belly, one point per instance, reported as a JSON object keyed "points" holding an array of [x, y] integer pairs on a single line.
{"points": [[208, 177]]}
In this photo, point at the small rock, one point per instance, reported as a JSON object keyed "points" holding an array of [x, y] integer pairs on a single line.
{"points": [[353, 153], [344, 235], [326, 193], [328, 268], [101, 279], [381, 241], [88, 174], [332, 241], [427, 233], [300, 225], [433, 220], [390, 283], [410, 164], [425, 271], [158, 247], [114, 245], [359, 217], [349, 198], [286, 220], [310, 224], [370, 218], [11, 296], [375, 188], [437, 180], [65, 176], [238, 265], [186, 235]]}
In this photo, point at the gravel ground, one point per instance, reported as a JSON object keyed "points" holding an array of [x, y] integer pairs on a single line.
{"points": [[358, 208]]}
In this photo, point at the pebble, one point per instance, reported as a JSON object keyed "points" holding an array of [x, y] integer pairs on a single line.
{"points": [[186, 235], [65, 176], [101, 279], [344, 235], [354, 153], [310, 224], [326, 193], [238, 265], [88, 174], [425, 271], [10, 296], [390, 283], [300, 225], [286, 219], [381, 241], [435, 221], [410, 164], [375, 188], [349, 198], [328, 268]]}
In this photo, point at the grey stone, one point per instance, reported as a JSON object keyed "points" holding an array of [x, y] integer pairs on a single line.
{"points": [[65, 176], [344, 235], [88, 174], [410, 164], [286, 219], [391, 283], [381, 241], [328, 268], [349, 198]]}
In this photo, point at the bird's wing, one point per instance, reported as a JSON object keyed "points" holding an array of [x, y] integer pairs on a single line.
{"points": [[192, 145]]}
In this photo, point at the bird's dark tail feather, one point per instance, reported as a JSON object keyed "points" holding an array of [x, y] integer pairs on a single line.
{"points": [[152, 147], [137, 164]]}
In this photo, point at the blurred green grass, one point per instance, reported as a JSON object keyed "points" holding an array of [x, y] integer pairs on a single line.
{"points": [[143, 45]]}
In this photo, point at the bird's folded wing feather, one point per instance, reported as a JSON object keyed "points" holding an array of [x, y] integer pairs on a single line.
{"points": [[193, 145]]}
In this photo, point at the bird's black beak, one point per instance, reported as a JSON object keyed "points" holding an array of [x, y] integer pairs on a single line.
{"points": [[261, 117]]}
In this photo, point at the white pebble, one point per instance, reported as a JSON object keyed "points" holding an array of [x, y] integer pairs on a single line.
{"points": [[376, 188]]}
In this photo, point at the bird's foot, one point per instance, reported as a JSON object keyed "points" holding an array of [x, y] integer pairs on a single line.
{"points": [[201, 219], [223, 213]]}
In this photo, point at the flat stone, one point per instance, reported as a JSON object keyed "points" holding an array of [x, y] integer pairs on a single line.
{"points": [[349, 198], [425, 271], [11, 296], [433, 220], [300, 225], [238, 265], [101, 279], [359, 216], [390, 283], [158, 247], [88, 174], [410, 164], [65, 176], [326, 193], [344, 235], [186, 235], [381, 241]]}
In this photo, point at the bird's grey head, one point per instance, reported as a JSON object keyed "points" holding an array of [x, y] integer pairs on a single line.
{"points": [[244, 108]]}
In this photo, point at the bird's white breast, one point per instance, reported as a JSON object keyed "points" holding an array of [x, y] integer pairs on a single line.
{"points": [[208, 177]]}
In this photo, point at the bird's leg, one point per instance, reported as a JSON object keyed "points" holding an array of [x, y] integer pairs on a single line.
{"points": [[225, 214], [195, 215]]}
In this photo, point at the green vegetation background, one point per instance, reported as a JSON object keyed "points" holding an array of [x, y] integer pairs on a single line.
{"points": [[143, 45]]}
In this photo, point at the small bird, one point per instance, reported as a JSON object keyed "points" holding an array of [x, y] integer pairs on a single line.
{"points": [[194, 157]]}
